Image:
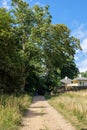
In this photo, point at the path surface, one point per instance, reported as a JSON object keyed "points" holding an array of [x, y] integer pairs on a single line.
{"points": [[41, 116]]}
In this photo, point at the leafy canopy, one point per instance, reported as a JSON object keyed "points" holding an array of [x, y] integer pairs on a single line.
{"points": [[34, 53]]}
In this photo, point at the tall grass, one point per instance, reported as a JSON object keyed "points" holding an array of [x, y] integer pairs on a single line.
{"points": [[11, 110], [73, 106]]}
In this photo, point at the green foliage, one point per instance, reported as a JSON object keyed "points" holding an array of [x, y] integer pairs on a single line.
{"points": [[9, 60], [69, 69], [32, 49], [84, 74], [11, 110], [60, 46]]}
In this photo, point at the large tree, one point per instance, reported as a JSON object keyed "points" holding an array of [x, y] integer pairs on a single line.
{"points": [[30, 26], [59, 52], [33, 51]]}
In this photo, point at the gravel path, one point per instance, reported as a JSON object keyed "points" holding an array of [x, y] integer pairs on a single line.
{"points": [[42, 116]]}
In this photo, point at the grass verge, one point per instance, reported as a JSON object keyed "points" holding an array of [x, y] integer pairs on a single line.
{"points": [[12, 109], [73, 105]]}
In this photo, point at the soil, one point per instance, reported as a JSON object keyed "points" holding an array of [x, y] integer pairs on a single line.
{"points": [[41, 116]]}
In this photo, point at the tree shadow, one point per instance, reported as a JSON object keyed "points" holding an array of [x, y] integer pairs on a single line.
{"points": [[38, 98], [39, 107], [31, 113], [84, 129]]}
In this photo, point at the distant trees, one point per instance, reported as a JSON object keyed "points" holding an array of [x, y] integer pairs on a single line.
{"points": [[33, 52], [84, 74]]}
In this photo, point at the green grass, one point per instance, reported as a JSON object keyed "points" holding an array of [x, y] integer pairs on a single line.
{"points": [[12, 109], [73, 106]]}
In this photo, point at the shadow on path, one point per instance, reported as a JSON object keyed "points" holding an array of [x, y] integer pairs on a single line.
{"points": [[31, 113]]}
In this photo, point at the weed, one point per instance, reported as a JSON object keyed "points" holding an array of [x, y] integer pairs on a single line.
{"points": [[11, 110], [73, 106]]}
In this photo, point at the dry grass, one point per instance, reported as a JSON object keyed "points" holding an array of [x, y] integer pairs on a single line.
{"points": [[73, 105], [11, 110]]}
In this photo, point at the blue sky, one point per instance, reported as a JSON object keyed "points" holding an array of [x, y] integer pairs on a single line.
{"points": [[72, 13]]}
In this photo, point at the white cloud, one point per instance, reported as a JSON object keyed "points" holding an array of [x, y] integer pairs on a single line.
{"points": [[76, 58], [82, 65], [38, 3], [84, 45], [81, 58], [80, 31], [5, 4]]}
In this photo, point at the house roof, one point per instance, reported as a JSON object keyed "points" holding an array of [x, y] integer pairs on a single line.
{"points": [[81, 78], [66, 80]]}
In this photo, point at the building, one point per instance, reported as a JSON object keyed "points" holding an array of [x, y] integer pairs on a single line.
{"points": [[65, 81], [80, 81]]}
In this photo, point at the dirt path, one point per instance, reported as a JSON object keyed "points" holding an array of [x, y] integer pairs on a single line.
{"points": [[41, 116]]}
